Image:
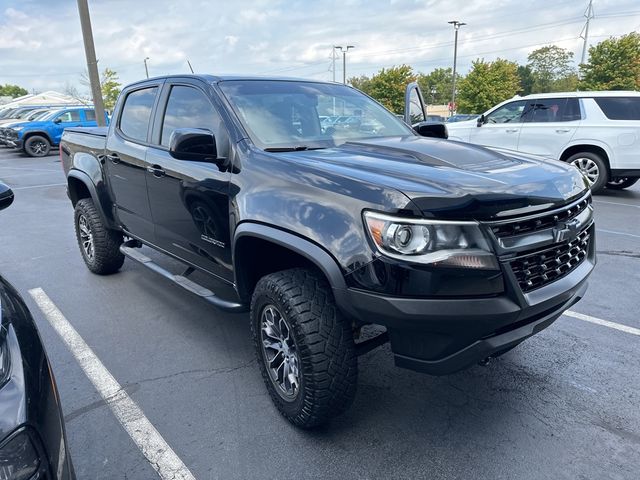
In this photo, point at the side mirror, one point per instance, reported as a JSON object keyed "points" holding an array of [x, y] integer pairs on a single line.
{"points": [[6, 196], [481, 120], [57, 120], [193, 144], [430, 129]]}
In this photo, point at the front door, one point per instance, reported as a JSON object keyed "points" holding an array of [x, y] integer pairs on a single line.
{"points": [[125, 162], [190, 199], [501, 127], [67, 119]]}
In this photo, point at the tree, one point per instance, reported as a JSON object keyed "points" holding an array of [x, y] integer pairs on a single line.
{"points": [[614, 64], [109, 86], [487, 84], [387, 86], [551, 67], [526, 79], [440, 80], [12, 91]]}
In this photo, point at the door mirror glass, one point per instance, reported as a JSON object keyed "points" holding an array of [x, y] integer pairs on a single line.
{"points": [[193, 144], [429, 129], [414, 111], [6, 196], [481, 120], [58, 120]]}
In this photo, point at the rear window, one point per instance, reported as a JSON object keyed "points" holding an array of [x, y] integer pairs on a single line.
{"points": [[620, 108], [136, 113]]}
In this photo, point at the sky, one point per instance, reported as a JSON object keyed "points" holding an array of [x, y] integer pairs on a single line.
{"points": [[41, 44]]}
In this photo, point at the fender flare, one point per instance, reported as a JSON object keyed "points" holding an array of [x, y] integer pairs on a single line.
{"points": [[305, 248], [86, 180]]}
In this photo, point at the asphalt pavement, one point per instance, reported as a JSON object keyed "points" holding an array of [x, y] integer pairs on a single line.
{"points": [[563, 405]]}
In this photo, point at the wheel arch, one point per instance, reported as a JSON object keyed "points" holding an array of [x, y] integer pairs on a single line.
{"points": [[587, 147], [40, 133], [79, 186], [261, 249]]}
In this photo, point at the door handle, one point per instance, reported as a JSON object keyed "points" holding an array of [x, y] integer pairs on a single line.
{"points": [[156, 170], [114, 157], [511, 130], [562, 130]]}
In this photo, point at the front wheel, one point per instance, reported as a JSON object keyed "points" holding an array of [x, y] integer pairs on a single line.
{"points": [[593, 167], [100, 246], [37, 146], [304, 347], [620, 183]]}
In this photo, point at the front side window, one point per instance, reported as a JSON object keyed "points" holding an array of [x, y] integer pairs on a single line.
{"points": [[136, 113], [188, 107], [70, 116], [620, 108], [509, 113], [552, 110], [298, 115]]}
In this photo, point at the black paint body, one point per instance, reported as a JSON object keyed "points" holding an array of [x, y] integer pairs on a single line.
{"points": [[216, 215]]}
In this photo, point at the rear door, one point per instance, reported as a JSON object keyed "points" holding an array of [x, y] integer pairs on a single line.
{"points": [[125, 159], [548, 125], [501, 127], [190, 199]]}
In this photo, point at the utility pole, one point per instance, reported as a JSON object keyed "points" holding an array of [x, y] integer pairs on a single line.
{"points": [[92, 63], [456, 26], [146, 68], [588, 13], [190, 67], [344, 51], [334, 56]]}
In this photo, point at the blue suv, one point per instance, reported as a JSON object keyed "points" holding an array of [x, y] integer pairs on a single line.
{"points": [[36, 138]]}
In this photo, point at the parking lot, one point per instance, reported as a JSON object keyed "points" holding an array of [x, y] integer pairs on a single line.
{"points": [[562, 405]]}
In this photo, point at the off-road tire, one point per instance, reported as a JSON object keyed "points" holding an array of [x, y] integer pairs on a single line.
{"points": [[622, 183], [603, 174], [323, 339], [107, 257], [37, 140]]}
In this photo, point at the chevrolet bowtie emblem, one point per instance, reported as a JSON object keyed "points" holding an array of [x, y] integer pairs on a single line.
{"points": [[566, 231]]}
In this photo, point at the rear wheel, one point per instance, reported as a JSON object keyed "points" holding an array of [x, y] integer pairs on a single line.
{"points": [[100, 246], [37, 146], [620, 183], [593, 167], [304, 347]]}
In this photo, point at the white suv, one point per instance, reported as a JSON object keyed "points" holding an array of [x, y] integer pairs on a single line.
{"points": [[598, 132]]}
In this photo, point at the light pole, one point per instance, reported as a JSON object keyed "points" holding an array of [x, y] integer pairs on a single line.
{"points": [[146, 68], [344, 51], [456, 26], [433, 95], [92, 63]]}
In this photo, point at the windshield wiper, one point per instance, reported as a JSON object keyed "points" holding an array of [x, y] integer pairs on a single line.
{"points": [[298, 148]]}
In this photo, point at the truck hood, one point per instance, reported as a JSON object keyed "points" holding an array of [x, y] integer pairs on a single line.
{"points": [[455, 180]]}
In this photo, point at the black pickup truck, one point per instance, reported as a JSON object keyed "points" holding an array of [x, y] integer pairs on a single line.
{"points": [[322, 228]]}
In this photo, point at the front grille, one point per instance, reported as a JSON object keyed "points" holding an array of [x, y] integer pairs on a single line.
{"points": [[535, 270], [519, 227]]}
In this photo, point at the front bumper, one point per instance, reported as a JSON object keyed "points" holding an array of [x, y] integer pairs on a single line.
{"points": [[441, 336]]}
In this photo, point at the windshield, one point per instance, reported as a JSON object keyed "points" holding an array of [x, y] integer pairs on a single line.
{"points": [[283, 115], [49, 115], [7, 113]]}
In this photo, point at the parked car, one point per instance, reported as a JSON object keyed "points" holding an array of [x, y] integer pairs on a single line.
{"points": [[33, 444], [36, 138], [461, 117], [461, 252], [19, 114], [435, 118], [598, 132], [32, 116]]}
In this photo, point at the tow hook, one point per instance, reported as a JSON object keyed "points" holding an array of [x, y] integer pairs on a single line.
{"points": [[485, 362]]}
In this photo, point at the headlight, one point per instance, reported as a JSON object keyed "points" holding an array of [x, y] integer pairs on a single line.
{"points": [[445, 243], [17, 129], [18, 458]]}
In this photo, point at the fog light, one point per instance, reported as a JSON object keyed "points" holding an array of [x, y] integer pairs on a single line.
{"points": [[18, 458]]}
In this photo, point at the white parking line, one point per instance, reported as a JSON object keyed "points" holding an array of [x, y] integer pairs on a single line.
{"points": [[156, 450], [39, 186], [618, 233], [617, 203], [604, 323]]}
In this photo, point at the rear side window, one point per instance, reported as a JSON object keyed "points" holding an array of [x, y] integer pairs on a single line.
{"points": [[136, 113], [90, 115], [620, 108], [552, 110], [188, 107]]}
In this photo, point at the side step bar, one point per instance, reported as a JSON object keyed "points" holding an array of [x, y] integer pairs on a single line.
{"points": [[130, 249]]}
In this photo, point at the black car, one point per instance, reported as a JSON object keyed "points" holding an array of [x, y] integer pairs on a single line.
{"points": [[33, 444], [460, 252]]}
